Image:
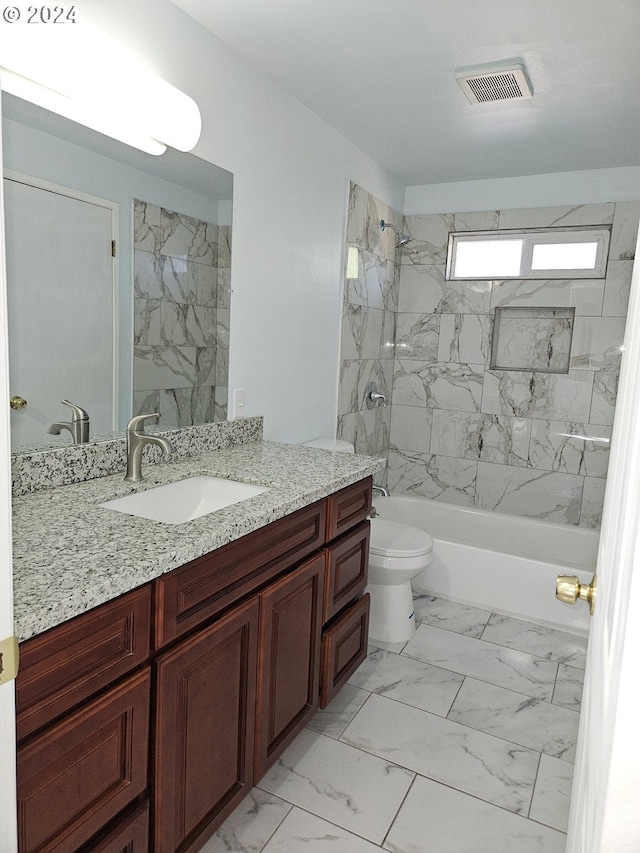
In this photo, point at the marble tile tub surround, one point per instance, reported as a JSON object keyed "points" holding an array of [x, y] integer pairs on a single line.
{"points": [[181, 316], [440, 759], [69, 554], [369, 309], [515, 441], [76, 463]]}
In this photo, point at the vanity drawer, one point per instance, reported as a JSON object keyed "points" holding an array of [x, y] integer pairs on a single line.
{"points": [[129, 835], [64, 666], [77, 775], [348, 507], [344, 648], [346, 570], [200, 589]]}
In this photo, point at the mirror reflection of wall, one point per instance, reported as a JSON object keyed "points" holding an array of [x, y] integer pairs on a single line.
{"points": [[181, 316], [39, 144]]}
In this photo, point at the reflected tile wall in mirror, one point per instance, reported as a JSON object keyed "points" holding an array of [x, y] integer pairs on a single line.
{"points": [[181, 316]]}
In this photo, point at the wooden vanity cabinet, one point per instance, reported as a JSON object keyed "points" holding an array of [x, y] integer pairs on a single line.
{"points": [[245, 643]]}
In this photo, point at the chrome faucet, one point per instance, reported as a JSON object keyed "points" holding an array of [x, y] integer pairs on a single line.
{"points": [[384, 492], [136, 440], [78, 426], [373, 398]]}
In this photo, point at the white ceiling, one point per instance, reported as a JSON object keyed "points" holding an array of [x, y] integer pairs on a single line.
{"points": [[382, 73]]}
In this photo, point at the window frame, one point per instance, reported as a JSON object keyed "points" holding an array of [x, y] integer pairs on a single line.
{"points": [[600, 234]]}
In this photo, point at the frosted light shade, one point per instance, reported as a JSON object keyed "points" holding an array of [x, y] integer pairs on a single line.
{"points": [[80, 74], [74, 111]]}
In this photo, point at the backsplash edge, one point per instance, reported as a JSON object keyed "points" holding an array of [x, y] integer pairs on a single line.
{"points": [[34, 471]]}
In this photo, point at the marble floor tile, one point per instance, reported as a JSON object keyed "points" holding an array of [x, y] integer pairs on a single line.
{"points": [[498, 665], [406, 680], [334, 719], [302, 832], [487, 767], [520, 719], [357, 791], [442, 613], [536, 640], [396, 648], [437, 819], [569, 686], [552, 794], [250, 826]]}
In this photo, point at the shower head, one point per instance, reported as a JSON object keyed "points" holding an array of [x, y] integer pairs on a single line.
{"points": [[402, 240]]}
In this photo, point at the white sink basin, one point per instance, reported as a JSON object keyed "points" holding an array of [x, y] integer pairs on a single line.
{"points": [[185, 500]]}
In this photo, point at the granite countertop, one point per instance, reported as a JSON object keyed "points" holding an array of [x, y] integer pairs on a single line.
{"points": [[70, 555]]}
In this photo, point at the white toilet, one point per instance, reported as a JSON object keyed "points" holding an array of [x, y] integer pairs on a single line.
{"points": [[397, 553]]}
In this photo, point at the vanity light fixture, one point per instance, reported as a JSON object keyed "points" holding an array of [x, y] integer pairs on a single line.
{"points": [[95, 82]]}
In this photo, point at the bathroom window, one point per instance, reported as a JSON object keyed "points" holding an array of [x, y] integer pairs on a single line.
{"points": [[530, 253]]}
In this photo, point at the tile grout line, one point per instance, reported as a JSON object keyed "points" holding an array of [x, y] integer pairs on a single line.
{"points": [[395, 817], [289, 810], [533, 790]]}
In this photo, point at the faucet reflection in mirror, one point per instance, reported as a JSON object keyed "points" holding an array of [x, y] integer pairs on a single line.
{"points": [[78, 426], [181, 316]]}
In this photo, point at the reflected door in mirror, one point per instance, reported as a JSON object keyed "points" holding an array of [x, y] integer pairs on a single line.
{"points": [[61, 310]]}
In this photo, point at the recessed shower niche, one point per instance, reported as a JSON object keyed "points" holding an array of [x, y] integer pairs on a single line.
{"points": [[533, 339]]}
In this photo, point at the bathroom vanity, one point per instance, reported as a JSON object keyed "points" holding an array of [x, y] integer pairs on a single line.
{"points": [[145, 720]]}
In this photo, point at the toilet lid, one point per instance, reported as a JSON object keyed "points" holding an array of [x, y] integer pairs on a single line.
{"points": [[392, 539]]}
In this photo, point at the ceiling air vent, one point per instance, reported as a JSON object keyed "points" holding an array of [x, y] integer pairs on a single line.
{"points": [[498, 83]]}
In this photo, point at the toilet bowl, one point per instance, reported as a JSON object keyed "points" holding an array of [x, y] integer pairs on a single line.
{"points": [[397, 553]]}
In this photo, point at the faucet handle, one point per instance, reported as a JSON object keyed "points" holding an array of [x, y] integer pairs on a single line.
{"points": [[136, 424], [77, 413], [373, 398]]}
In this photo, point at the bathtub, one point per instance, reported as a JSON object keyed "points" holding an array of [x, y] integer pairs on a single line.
{"points": [[504, 563]]}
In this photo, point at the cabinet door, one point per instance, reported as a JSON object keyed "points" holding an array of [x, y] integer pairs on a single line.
{"points": [[78, 774], [289, 661], [206, 688]]}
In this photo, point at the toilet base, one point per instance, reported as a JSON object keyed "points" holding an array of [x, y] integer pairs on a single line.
{"points": [[391, 619]]}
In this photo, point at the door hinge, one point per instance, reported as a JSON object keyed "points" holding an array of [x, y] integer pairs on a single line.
{"points": [[113, 248], [9, 659]]}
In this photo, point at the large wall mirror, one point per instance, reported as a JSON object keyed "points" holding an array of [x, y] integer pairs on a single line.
{"points": [[119, 280]]}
